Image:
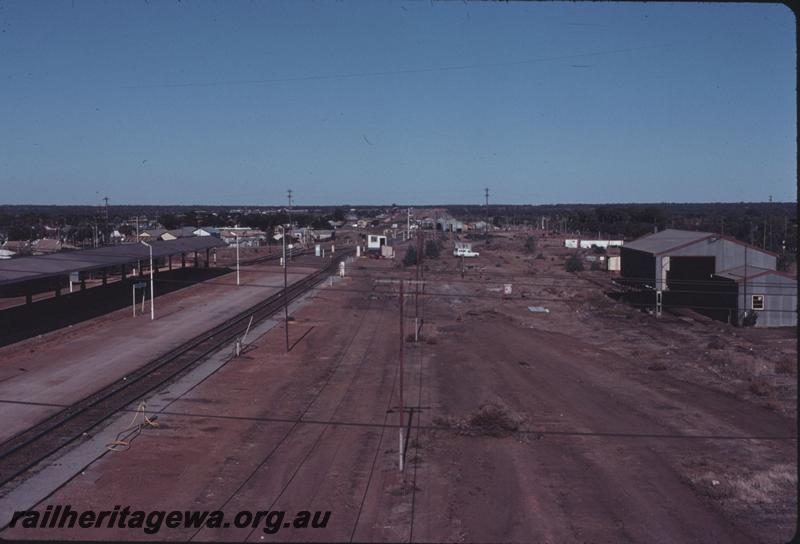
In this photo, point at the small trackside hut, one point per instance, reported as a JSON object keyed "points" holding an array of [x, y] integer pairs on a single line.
{"points": [[375, 242]]}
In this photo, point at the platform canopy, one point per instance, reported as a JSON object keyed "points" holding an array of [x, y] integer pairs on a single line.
{"points": [[62, 263]]}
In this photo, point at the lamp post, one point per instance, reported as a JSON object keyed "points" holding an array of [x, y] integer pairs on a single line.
{"points": [[285, 294], [152, 309], [236, 235]]}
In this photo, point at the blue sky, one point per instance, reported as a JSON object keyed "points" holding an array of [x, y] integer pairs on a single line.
{"points": [[168, 102]]}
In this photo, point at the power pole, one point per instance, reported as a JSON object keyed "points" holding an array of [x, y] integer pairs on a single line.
{"points": [[402, 354], [285, 293], [416, 288], [785, 231], [486, 222], [106, 232], [289, 192]]}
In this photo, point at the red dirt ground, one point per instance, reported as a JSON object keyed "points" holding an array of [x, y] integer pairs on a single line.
{"points": [[526, 427]]}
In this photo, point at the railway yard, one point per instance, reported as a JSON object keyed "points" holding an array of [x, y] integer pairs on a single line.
{"points": [[583, 419]]}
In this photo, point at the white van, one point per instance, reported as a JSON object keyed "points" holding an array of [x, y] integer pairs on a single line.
{"points": [[465, 252]]}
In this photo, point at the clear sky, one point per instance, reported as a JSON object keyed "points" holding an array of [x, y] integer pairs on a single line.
{"points": [[369, 102]]}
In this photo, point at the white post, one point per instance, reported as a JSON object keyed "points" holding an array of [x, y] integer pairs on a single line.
{"points": [[152, 302], [247, 330], [237, 258], [133, 292], [416, 330], [401, 450], [152, 289]]}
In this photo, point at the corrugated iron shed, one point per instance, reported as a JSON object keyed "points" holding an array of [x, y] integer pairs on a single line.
{"points": [[57, 264], [740, 273], [667, 239]]}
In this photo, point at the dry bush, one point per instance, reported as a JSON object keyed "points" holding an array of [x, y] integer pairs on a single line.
{"points": [[759, 387], [766, 486], [491, 419], [786, 366]]}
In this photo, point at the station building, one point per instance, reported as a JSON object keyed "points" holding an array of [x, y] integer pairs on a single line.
{"points": [[29, 275]]}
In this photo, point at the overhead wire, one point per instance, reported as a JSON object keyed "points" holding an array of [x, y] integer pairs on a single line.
{"points": [[442, 428], [489, 297]]}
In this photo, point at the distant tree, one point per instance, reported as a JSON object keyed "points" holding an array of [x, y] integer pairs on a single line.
{"points": [[783, 262], [127, 230], [411, 256], [530, 244], [574, 264], [19, 232], [169, 220], [190, 219], [432, 249]]}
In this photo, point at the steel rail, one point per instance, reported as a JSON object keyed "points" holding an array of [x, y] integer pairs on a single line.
{"points": [[27, 448]]}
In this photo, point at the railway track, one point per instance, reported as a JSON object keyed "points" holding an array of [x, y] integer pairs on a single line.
{"points": [[275, 257], [24, 450]]}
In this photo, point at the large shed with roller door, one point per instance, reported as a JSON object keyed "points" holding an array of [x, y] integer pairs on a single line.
{"points": [[698, 270]]}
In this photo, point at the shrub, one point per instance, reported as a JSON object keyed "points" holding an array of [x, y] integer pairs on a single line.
{"points": [[411, 257], [432, 249], [530, 244], [574, 264]]}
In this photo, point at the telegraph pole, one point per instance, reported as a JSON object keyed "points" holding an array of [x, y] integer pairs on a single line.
{"points": [[486, 225], [289, 192], [402, 353], [401, 283], [106, 232], [285, 293], [420, 247]]}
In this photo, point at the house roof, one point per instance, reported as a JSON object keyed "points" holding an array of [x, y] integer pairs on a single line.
{"points": [[62, 263], [16, 244], [181, 232], [47, 244]]}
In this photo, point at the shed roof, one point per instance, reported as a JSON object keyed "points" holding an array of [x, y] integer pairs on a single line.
{"points": [[750, 272], [57, 264], [667, 239]]}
